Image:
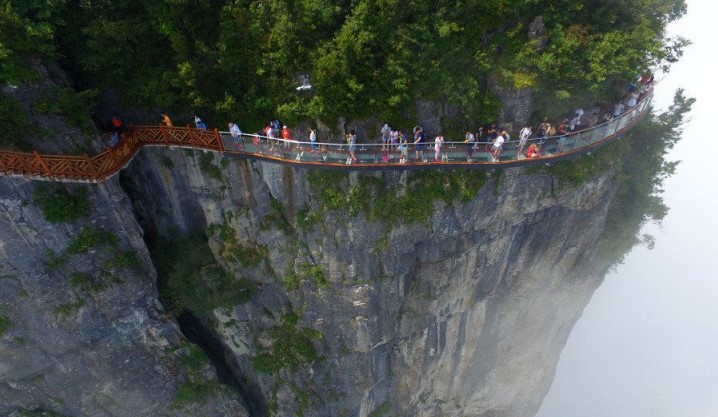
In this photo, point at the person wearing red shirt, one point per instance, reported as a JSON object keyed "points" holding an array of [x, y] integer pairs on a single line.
{"points": [[285, 136]]}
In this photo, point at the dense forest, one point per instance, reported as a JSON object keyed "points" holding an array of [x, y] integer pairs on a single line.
{"points": [[241, 59]]}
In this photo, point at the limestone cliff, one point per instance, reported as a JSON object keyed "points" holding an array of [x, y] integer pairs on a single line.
{"points": [[82, 331], [461, 314]]}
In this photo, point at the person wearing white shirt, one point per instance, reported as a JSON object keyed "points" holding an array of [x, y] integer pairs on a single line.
{"points": [[235, 132]]}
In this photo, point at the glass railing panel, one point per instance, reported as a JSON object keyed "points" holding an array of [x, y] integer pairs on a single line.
{"points": [[598, 133], [623, 121], [377, 153]]}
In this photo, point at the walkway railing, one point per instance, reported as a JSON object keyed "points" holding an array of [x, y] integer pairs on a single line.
{"points": [[368, 156]]}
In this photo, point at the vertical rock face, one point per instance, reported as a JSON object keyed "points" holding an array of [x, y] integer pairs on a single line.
{"points": [[517, 105], [464, 314], [82, 332]]}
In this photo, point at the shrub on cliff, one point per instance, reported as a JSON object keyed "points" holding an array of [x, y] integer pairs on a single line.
{"points": [[193, 280], [59, 205], [14, 124]]}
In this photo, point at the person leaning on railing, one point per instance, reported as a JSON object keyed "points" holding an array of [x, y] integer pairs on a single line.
{"points": [[313, 138], [166, 121], [235, 132]]}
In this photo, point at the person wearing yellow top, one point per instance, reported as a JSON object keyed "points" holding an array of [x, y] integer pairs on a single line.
{"points": [[166, 121]]}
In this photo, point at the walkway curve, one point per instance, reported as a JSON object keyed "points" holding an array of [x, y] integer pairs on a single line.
{"points": [[370, 157]]}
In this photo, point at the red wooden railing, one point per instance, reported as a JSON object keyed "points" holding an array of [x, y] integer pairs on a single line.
{"points": [[108, 162]]}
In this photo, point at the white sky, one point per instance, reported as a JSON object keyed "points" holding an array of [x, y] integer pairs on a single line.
{"points": [[647, 344]]}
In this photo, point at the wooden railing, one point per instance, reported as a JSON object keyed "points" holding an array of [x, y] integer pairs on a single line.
{"points": [[111, 160]]}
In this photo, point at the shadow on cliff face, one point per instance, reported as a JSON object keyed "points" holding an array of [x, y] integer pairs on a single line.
{"points": [[191, 258]]}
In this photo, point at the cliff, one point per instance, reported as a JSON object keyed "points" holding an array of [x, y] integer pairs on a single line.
{"points": [[82, 331], [360, 311]]}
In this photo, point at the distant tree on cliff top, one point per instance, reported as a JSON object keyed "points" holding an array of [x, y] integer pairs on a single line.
{"points": [[364, 57]]}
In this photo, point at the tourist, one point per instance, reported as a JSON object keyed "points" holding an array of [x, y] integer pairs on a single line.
{"points": [[544, 129], [437, 148], [470, 141], [575, 120], [198, 123], [524, 136], [403, 148], [632, 99], [617, 110], [286, 136], [491, 134], [562, 127], [352, 140], [117, 129], [479, 137], [385, 136], [269, 133], [166, 121], [313, 139], [235, 132], [532, 152], [498, 147], [419, 137]]}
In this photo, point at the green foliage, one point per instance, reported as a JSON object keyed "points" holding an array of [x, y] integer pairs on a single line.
{"points": [[196, 389], [275, 217], [223, 231], [314, 272], [396, 205], [126, 259], [38, 412], [54, 261], [302, 397], [78, 279], [384, 410], [27, 32], [208, 167], [194, 392], [194, 280], [88, 283], [90, 238], [75, 106], [291, 347], [643, 169], [290, 318], [250, 256], [291, 281], [238, 60], [5, 324], [307, 218], [59, 205], [66, 309], [14, 123]]}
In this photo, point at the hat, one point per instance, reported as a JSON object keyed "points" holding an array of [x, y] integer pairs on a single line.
{"points": [[284, 127]]}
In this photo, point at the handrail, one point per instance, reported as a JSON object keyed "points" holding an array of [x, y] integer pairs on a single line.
{"points": [[360, 156]]}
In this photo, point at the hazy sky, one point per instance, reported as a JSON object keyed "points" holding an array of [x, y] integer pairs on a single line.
{"points": [[647, 344]]}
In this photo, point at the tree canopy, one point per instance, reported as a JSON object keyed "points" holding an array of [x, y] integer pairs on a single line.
{"points": [[239, 59]]}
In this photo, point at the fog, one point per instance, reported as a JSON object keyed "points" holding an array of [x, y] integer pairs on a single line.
{"points": [[647, 344]]}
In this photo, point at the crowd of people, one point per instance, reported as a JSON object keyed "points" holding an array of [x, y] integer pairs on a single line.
{"points": [[395, 142]]}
